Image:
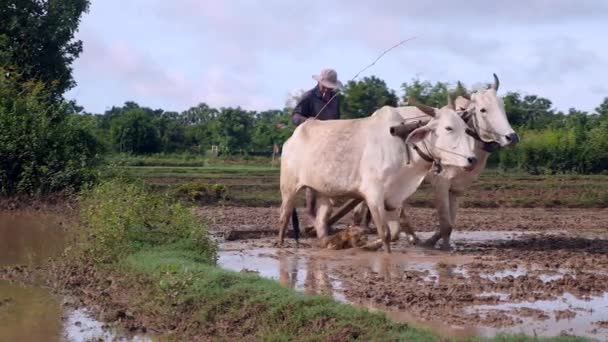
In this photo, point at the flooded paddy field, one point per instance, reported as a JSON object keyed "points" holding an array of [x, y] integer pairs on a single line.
{"points": [[535, 271]]}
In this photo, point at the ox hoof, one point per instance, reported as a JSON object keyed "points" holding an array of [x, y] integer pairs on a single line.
{"points": [[447, 247], [413, 241], [429, 244]]}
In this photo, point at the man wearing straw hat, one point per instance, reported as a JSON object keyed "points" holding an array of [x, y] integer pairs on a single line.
{"points": [[322, 103]]}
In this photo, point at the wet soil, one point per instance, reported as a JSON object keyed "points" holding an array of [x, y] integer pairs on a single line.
{"points": [[537, 271], [31, 307]]}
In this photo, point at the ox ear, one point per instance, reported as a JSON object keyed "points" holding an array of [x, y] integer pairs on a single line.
{"points": [[418, 135]]}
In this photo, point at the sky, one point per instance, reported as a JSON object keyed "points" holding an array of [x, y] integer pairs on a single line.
{"points": [[251, 53]]}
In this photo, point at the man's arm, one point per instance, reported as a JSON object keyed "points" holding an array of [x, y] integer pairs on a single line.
{"points": [[302, 111]]}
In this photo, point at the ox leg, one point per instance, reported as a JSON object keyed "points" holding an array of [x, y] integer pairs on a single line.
{"points": [[442, 203], [362, 216], [358, 213], [323, 211], [287, 206], [393, 223], [311, 203], [407, 227], [453, 207], [376, 207]]}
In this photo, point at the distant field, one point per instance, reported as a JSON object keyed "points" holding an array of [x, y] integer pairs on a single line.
{"points": [[257, 184]]}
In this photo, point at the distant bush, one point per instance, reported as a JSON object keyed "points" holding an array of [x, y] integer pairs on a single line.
{"points": [[201, 192], [559, 150], [121, 217]]}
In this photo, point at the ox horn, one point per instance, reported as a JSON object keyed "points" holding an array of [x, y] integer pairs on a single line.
{"points": [[403, 130], [496, 82], [428, 110], [451, 104]]}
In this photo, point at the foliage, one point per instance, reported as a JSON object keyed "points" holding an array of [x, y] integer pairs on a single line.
{"points": [[203, 192], [134, 131], [424, 92], [122, 217], [44, 146], [36, 41], [362, 98], [234, 129]]}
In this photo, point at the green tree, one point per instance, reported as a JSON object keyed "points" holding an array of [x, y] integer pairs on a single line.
{"points": [[459, 90], [426, 93], [602, 110], [44, 146], [234, 129], [362, 98], [133, 131], [270, 127], [200, 127], [171, 131], [37, 41]]}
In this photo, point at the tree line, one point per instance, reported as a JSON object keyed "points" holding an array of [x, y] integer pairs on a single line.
{"points": [[552, 140]]}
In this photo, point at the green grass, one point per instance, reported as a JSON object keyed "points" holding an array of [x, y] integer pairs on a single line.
{"points": [[168, 262], [262, 307], [266, 310]]}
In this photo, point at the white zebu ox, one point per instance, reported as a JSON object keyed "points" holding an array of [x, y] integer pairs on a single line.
{"points": [[361, 158], [485, 115]]}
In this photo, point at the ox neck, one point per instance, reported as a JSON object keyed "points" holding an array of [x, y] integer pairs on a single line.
{"points": [[489, 147], [425, 158]]}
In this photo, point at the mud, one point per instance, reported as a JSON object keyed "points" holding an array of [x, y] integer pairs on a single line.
{"points": [[535, 271], [29, 310]]}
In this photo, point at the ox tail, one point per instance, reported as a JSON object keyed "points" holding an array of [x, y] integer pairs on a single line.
{"points": [[295, 222]]}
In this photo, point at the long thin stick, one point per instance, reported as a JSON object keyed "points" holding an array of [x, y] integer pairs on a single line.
{"points": [[367, 67]]}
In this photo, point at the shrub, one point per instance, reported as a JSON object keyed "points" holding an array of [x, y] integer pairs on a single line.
{"points": [[44, 147], [201, 192], [121, 217]]}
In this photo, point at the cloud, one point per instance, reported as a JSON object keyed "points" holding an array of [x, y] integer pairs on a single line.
{"points": [[250, 54]]}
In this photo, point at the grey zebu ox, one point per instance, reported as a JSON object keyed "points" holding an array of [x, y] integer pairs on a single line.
{"points": [[361, 158], [485, 114]]}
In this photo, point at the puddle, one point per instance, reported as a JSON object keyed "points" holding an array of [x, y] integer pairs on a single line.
{"points": [[317, 271], [80, 326], [29, 237], [298, 270], [30, 313], [587, 313]]}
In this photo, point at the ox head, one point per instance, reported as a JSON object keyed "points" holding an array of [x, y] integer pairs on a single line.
{"points": [[445, 137], [485, 112]]}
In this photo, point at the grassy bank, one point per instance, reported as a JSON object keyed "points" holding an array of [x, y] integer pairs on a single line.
{"points": [[155, 268], [132, 234]]}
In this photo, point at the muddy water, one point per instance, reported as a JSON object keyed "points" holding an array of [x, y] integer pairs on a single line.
{"points": [[29, 237], [317, 272], [323, 272], [29, 313]]}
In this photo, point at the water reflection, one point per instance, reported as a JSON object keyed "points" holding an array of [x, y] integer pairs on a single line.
{"points": [[28, 314], [29, 237]]}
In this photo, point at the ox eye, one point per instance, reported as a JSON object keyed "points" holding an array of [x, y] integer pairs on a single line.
{"points": [[449, 129], [483, 110]]}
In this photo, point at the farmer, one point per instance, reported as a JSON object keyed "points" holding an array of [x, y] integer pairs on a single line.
{"points": [[321, 103]]}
